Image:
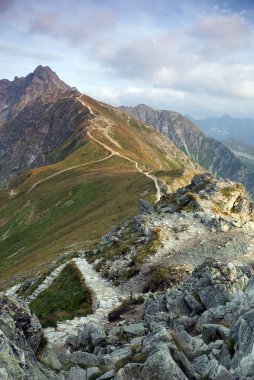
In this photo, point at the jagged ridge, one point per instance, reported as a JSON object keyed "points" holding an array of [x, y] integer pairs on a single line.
{"points": [[209, 153]]}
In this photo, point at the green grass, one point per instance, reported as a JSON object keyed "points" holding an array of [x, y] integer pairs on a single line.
{"points": [[76, 206], [67, 297], [80, 205]]}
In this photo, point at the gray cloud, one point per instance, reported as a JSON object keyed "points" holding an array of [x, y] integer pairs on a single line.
{"points": [[179, 54], [78, 26], [220, 35], [44, 23], [6, 5]]}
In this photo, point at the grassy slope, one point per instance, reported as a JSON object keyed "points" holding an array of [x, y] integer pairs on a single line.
{"points": [[67, 297], [80, 205], [76, 206]]}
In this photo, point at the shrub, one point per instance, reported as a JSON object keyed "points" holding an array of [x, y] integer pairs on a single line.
{"points": [[163, 277]]}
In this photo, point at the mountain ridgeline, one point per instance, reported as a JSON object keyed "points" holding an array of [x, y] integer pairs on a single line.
{"points": [[82, 167], [226, 126], [99, 233], [208, 152]]}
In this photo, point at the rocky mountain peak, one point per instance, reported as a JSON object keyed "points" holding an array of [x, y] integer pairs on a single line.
{"points": [[30, 110], [43, 71], [48, 78], [16, 94]]}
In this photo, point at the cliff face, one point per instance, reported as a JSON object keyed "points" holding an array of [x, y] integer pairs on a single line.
{"points": [[38, 114], [209, 153]]}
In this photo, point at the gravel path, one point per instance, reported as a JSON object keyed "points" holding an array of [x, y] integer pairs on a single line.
{"points": [[116, 153], [105, 298]]}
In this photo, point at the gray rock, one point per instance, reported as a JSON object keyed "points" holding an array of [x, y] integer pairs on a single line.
{"points": [[92, 373], [108, 375], [193, 304], [242, 337], [152, 305], [161, 366], [79, 358], [145, 206], [132, 371], [72, 341], [136, 329], [156, 339], [116, 355], [20, 334], [183, 362], [76, 373], [213, 332], [217, 372], [189, 344], [98, 335], [91, 334], [200, 364]]}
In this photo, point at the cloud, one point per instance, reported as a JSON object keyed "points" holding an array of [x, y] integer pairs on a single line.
{"points": [[179, 101], [6, 5], [223, 34], [44, 23], [77, 25], [168, 53], [18, 50]]}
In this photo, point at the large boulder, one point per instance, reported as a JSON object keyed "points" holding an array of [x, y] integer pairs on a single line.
{"points": [[161, 366], [91, 334], [20, 335]]}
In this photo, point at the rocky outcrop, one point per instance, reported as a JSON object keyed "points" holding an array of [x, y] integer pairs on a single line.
{"points": [[202, 329], [38, 114], [209, 318], [20, 336], [157, 248], [211, 196], [208, 152]]}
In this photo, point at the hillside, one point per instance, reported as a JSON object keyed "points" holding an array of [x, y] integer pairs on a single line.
{"points": [[209, 153], [111, 161]]}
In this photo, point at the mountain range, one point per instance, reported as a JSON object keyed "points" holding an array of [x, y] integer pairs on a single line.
{"points": [[226, 126], [209, 153], [120, 257], [72, 167]]}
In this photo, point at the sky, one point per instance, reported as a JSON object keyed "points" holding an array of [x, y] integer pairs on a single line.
{"points": [[191, 56]]}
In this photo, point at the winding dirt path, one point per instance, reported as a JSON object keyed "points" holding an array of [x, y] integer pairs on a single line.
{"points": [[111, 151], [66, 170], [116, 153]]}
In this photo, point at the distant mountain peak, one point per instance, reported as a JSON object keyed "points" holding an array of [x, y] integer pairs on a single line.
{"points": [[43, 72]]}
